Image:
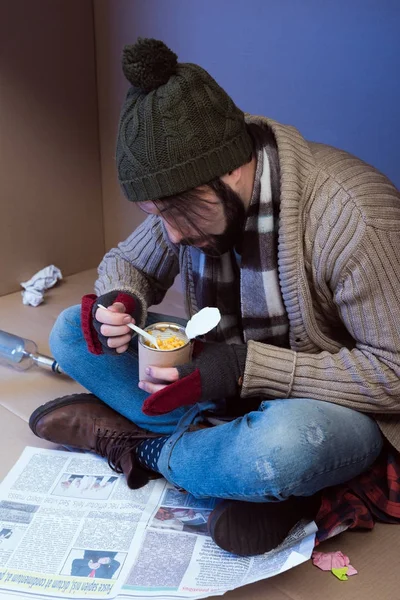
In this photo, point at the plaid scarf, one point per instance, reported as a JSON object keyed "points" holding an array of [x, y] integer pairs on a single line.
{"points": [[246, 288], [359, 503]]}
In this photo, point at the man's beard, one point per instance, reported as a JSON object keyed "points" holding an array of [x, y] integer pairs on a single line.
{"points": [[235, 215]]}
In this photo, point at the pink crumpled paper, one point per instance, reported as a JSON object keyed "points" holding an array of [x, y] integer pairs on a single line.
{"points": [[326, 561]]}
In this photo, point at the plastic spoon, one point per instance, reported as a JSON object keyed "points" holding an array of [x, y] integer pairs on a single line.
{"points": [[146, 335], [202, 322]]}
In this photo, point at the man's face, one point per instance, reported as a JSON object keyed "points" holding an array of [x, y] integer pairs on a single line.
{"points": [[214, 226]]}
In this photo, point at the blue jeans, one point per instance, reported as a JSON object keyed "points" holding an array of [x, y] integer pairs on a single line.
{"points": [[287, 447]]}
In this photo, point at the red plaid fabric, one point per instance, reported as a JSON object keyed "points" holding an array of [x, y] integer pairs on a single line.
{"points": [[359, 503]]}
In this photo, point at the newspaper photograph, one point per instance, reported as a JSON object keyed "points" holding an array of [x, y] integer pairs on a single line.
{"points": [[71, 528]]}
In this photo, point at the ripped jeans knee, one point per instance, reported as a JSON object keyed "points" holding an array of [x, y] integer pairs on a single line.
{"points": [[288, 447]]}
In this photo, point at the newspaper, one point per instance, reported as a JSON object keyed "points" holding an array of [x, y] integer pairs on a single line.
{"points": [[71, 528]]}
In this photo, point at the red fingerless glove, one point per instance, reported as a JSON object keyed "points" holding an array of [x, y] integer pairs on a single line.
{"points": [[215, 373], [96, 341]]}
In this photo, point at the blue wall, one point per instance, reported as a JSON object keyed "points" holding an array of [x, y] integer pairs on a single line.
{"points": [[329, 67]]}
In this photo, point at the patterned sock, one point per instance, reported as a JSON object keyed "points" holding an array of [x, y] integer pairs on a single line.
{"points": [[148, 452]]}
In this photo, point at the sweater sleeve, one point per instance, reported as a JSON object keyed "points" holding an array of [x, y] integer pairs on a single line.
{"points": [[144, 265], [366, 377]]}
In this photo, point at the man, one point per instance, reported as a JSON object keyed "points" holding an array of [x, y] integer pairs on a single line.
{"points": [[297, 244], [95, 564], [5, 534]]}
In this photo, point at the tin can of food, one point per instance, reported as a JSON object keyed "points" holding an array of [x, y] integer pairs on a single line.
{"points": [[177, 348]]}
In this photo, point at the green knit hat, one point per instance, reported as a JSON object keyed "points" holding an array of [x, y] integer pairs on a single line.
{"points": [[178, 128]]}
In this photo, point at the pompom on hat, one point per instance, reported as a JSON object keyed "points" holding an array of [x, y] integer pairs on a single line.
{"points": [[148, 64], [178, 128]]}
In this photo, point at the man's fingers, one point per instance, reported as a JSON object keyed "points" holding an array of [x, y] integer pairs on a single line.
{"points": [[118, 341], [122, 349], [151, 388], [117, 307], [114, 330], [163, 374], [169, 374], [110, 317]]}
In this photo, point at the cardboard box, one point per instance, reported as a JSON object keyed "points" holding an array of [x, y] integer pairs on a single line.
{"points": [[374, 554]]}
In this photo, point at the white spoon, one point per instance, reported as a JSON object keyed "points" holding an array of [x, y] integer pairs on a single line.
{"points": [[202, 322], [146, 335]]}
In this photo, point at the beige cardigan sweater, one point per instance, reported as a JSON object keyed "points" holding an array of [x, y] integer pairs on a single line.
{"points": [[339, 272]]}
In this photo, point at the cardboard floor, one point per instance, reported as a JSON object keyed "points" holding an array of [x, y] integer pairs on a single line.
{"points": [[374, 554]]}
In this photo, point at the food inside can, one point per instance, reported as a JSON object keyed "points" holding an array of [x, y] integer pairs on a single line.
{"points": [[170, 343]]}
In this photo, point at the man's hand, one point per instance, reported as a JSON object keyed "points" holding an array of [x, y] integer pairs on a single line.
{"points": [[113, 326], [105, 329], [167, 374], [214, 374]]}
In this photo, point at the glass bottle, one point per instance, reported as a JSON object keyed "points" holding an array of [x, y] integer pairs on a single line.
{"points": [[22, 354]]}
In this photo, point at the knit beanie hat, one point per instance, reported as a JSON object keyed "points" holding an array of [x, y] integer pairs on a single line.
{"points": [[178, 128]]}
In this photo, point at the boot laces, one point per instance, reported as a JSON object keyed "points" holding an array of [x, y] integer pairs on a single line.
{"points": [[115, 446]]}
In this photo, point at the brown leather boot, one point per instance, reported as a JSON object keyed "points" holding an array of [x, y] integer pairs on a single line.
{"points": [[251, 528], [85, 422]]}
